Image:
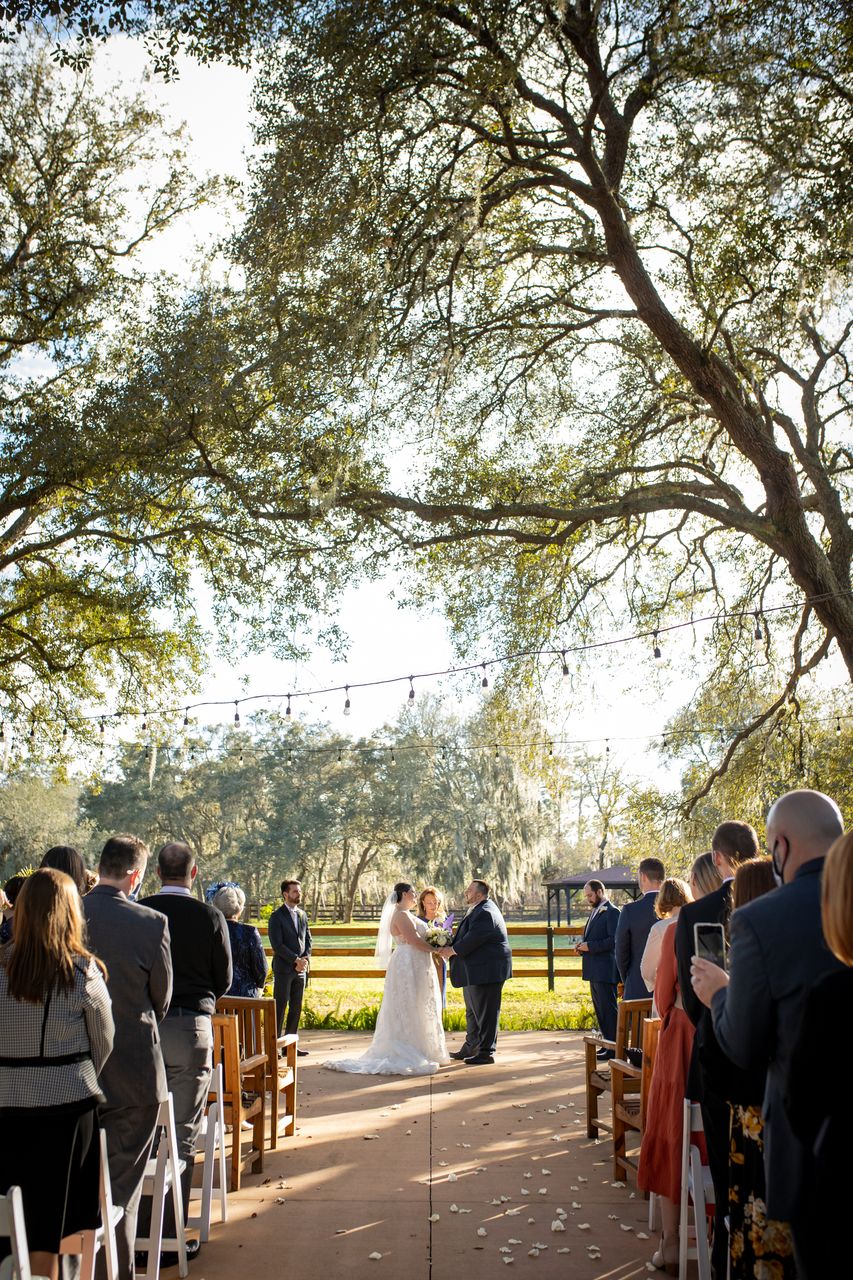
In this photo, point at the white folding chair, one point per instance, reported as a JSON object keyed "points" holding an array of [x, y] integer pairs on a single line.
{"points": [[87, 1243], [697, 1195], [162, 1175], [212, 1138], [13, 1227]]}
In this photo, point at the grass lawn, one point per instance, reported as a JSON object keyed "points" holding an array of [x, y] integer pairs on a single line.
{"points": [[527, 1005]]}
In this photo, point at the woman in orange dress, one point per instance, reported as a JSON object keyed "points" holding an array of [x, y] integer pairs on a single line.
{"points": [[660, 1153]]}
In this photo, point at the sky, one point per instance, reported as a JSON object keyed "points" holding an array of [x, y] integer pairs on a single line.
{"points": [[623, 695]]}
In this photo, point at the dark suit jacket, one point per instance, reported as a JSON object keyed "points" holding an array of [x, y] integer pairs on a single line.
{"points": [[288, 944], [632, 932], [599, 963], [714, 908], [777, 953], [133, 943], [482, 948]]}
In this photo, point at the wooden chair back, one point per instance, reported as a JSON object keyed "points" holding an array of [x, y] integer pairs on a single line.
{"points": [[630, 1085], [258, 1033], [240, 1073], [629, 1032]]}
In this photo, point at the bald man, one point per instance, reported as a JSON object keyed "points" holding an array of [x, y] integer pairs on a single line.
{"points": [[777, 953]]}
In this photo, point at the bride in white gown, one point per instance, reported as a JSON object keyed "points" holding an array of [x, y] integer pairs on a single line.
{"points": [[409, 1036]]}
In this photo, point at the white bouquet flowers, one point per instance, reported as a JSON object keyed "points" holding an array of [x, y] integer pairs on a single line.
{"points": [[438, 937]]}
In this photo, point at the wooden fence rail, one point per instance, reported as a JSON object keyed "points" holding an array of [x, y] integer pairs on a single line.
{"points": [[553, 968]]}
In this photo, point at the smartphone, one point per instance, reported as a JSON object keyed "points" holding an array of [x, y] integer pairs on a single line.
{"points": [[709, 943]]}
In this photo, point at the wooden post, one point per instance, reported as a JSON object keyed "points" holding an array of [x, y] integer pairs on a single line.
{"points": [[550, 958]]}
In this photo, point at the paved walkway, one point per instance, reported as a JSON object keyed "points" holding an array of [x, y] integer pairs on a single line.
{"points": [[448, 1176]]}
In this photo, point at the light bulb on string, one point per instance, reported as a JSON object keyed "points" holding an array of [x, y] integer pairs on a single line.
{"points": [[340, 755], [607, 746], [497, 752], [347, 707], [656, 649], [32, 730], [236, 712], [145, 722], [411, 689], [187, 718], [757, 633], [393, 758], [838, 726], [565, 664], [287, 710], [290, 758], [484, 683]]}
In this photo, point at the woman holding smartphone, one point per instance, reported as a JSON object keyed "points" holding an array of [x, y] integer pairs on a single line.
{"points": [[660, 1153]]}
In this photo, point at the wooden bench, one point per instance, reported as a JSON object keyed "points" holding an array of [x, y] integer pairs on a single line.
{"points": [[630, 1091], [241, 1075], [629, 1031], [258, 1035]]}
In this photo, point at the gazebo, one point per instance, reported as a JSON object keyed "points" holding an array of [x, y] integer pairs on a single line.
{"points": [[613, 878]]}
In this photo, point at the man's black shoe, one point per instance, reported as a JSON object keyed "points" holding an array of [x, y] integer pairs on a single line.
{"points": [[479, 1060], [604, 1055], [302, 1053], [171, 1259], [460, 1055]]}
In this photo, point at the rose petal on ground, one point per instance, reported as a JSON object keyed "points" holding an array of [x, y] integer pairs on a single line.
{"points": [[374, 1257], [564, 1251], [454, 1208], [625, 1226], [558, 1225], [546, 1172], [641, 1235], [583, 1226], [527, 1175], [367, 1138], [481, 1231], [451, 1177], [435, 1217]]}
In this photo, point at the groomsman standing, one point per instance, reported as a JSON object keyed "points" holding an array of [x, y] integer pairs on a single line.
{"points": [[598, 949], [290, 939]]}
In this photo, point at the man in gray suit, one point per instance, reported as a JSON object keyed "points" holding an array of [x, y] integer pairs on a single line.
{"points": [[290, 939], [133, 943], [777, 954], [632, 932]]}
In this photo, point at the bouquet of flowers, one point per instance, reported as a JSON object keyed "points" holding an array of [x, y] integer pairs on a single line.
{"points": [[440, 935]]}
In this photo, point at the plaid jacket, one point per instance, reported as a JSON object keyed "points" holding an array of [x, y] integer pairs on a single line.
{"points": [[73, 1024]]}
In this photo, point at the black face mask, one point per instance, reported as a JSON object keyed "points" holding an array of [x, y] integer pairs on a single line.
{"points": [[779, 867]]}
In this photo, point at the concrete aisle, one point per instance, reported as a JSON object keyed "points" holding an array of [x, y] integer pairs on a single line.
{"points": [[491, 1149]]}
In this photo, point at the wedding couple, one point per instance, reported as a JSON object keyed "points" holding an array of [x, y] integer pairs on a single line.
{"points": [[409, 1036]]}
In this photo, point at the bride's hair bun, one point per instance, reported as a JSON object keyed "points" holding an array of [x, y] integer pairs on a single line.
{"points": [[401, 888]]}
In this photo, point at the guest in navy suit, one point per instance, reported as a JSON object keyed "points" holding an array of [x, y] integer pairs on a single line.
{"points": [[635, 922], [598, 966]]}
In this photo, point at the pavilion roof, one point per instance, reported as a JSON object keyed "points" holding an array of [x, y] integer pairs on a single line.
{"points": [[619, 877]]}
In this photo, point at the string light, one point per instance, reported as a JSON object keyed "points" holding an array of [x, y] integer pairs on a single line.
{"points": [[145, 723], [497, 752], [340, 755], [509, 657], [187, 718], [484, 683], [236, 712], [347, 702], [656, 649], [33, 730], [565, 664], [287, 710], [757, 633], [393, 757], [838, 726]]}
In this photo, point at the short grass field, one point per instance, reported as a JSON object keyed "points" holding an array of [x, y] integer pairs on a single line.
{"points": [[352, 1002]]}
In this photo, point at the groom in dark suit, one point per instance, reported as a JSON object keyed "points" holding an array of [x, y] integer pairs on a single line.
{"points": [[480, 963], [290, 939]]}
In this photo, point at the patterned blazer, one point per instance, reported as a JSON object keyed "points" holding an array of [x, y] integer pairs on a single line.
{"points": [[51, 1053]]}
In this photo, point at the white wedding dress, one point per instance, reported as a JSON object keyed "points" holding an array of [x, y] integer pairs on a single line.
{"points": [[409, 1036]]}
